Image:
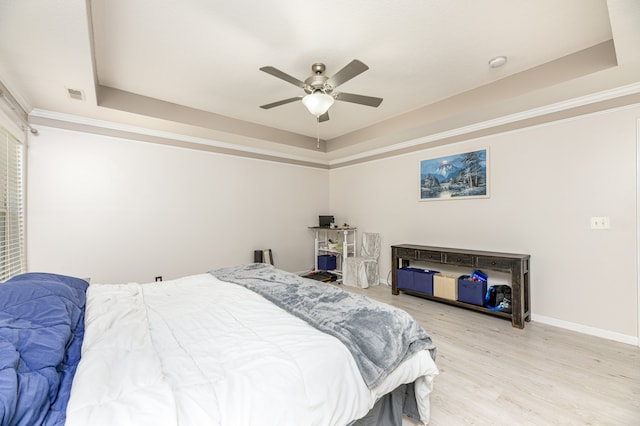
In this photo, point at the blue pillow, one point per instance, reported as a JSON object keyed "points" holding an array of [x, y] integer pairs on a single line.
{"points": [[41, 332]]}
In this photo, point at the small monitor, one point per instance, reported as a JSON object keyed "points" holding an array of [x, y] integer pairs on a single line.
{"points": [[326, 221]]}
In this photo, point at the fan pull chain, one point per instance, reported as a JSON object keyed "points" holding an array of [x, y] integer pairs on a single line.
{"points": [[317, 132]]}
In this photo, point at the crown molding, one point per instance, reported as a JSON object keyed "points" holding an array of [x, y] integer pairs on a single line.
{"points": [[126, 131], [551, 113], [624, 96]]}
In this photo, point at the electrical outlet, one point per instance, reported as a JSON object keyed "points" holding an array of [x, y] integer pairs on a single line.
{"points": [[159, 278], [600, 222]]}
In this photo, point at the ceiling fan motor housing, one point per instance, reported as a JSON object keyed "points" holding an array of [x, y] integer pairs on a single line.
{"points": [[317, 81]]}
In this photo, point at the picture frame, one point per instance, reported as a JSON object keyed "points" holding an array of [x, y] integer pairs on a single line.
{"points": [[458, 176]]}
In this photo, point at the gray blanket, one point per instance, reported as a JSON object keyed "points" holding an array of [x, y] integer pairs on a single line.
{"points": [[379, 336]]}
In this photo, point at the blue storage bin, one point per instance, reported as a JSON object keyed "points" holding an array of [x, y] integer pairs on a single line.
{"points": [[416, 279], [326, 262], [470, 291], [405, 278], [423, 280]]}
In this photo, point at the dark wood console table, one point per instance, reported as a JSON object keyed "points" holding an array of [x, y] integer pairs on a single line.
{"points": [[516, 264]]}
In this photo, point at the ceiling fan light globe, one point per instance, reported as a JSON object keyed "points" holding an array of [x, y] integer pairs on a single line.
{"points": [[318, 103]]}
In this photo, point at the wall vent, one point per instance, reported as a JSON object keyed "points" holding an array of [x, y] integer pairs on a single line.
{"points": [[75, 94]]}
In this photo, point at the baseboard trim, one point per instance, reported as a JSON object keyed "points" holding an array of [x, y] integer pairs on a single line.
{"points": [[598, 332]]}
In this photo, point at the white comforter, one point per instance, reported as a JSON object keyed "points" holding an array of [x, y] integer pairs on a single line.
{"points": [[200, 351]]}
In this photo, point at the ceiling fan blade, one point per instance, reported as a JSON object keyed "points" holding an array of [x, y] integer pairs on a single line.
{"points": [[283, 76], [358, 99], [282, 102], [351, 70], [324, 117]]}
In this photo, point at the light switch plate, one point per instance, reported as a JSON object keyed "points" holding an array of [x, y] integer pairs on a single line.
{"points": [[600, 222]]}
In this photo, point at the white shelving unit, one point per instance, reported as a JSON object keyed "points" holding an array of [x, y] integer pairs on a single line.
{"points": [[345, 248]]}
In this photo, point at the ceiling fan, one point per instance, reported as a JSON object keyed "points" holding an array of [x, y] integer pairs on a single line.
{"points": [[319, 88]]}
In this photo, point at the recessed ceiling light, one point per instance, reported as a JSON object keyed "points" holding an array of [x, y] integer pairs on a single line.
{"points": [[498, 61]]}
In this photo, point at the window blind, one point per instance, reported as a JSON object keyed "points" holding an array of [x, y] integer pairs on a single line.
{"points": [[12, 241]]}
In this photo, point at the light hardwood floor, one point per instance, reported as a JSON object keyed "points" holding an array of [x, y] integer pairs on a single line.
{"points": [[494, 374]]}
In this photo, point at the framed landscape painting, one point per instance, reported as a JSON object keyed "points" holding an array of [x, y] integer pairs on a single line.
{"points": [[458, 176]]}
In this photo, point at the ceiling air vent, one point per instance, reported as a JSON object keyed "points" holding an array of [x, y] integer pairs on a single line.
{"points": [[75, 94]]}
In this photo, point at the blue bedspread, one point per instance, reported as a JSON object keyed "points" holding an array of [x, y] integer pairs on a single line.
{"points": [[41, 332]]}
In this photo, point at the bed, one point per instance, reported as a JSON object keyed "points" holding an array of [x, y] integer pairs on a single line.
{"points": [[247, 345]]}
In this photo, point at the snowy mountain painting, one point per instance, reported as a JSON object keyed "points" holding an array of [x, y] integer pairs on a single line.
{"points": [[454, 176]]}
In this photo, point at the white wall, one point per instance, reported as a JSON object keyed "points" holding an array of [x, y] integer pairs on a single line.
{"points": [[546, 182], [118, 210]]}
